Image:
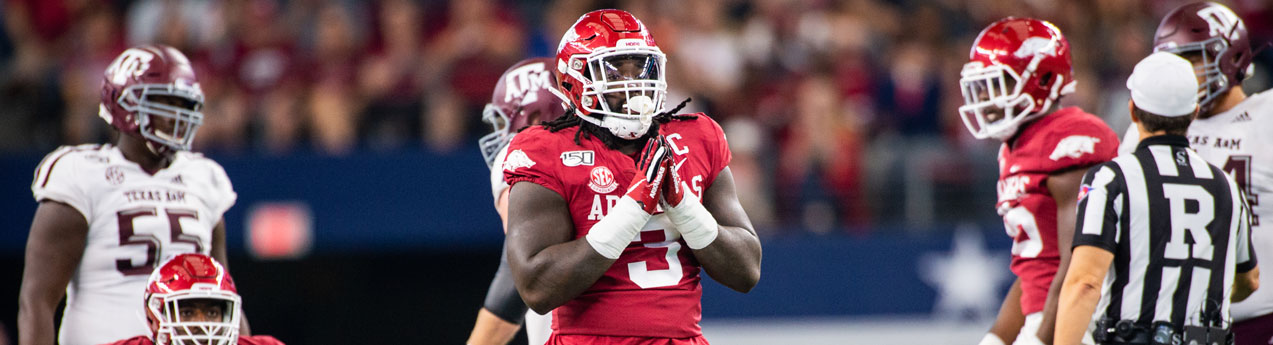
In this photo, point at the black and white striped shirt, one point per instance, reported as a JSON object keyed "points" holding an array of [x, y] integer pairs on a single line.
{"points": [[1178, 229]]}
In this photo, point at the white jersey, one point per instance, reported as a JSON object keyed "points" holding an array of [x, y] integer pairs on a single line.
{"points": [[538, 327], [1239, 141], [498, 186], [135, 221]]}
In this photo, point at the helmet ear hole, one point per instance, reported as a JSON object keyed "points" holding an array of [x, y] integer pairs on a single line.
{"points": [[1045, 80]]}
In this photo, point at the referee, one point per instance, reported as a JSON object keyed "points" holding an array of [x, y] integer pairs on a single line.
{"points": [[1162, 243]]}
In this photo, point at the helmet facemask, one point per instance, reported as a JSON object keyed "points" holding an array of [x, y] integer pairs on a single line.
{"points": [[168, 115], [499, 136], [1205, 56], [995, 100], [624, 87], [178, 326]]}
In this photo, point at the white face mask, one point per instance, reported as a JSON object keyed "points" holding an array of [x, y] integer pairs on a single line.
{"points": [[630, 72]]}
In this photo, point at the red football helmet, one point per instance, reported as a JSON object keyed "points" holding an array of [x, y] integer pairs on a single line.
{"points": [[1017, 70], [152, 91], [612, 72], [526, 93], [1215, 35], [185, 280]]}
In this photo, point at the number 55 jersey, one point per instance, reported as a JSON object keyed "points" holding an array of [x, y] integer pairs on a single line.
{"points": [[1059, 142], [653, 289], [135, 220]]}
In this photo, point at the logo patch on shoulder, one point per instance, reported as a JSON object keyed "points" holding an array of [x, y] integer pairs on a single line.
{"points": [[517, 159], [1074, 146], [577, 158], [1083, 190], [114, 175], [601, 180]]}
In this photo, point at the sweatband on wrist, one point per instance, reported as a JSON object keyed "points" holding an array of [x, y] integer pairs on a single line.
{"points": [[615, 231], [991, 339], [697, 226]]}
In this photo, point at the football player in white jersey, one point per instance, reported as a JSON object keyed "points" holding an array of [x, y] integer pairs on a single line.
{"points": [[522, 97], [108, 214], [1231, 131]]}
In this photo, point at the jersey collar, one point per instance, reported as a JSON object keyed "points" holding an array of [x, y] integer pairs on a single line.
{"points": [[1165, 139]]}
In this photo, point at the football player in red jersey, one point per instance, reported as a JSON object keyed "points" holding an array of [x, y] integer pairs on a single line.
{"points": [[524, 96], [615, 207], [191, 299], [1018, 70]]}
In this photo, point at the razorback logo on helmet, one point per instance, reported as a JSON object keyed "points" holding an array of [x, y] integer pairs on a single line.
{"points": [[1074, 146], [1036, 45], [131, 63], [1221, 20], [525, 81], [601, 180], [517, 159]]}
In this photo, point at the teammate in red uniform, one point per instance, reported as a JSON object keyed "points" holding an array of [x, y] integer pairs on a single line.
{"points": [[1018, 70], [616, 206], [191, 300], [523, 97]]}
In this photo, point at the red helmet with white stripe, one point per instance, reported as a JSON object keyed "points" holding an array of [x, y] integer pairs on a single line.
{"points": [[1017, 70], [612, 72], [180, 284]]}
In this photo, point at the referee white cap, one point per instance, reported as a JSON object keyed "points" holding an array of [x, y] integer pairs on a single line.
{"points": [[1164, 84]]}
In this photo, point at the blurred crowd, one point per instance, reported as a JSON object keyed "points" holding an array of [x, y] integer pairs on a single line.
{"points": [[841, 114]]}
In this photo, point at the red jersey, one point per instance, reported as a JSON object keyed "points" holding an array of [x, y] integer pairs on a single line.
{"points": [[243, 340], [653, 289], [1066, 139]]}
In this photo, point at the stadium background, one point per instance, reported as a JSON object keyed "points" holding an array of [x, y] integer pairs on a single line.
{"points": [[349, 130]]}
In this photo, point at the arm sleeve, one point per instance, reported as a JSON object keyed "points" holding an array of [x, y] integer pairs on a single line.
{"points": [[55, 180], [529, 159], [502, 298], [1099, 209]]}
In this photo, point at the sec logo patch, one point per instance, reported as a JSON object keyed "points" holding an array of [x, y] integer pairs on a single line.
{"points": [[601, 180]]}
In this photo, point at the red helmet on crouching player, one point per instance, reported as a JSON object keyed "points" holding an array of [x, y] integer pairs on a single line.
{"points": [[526, 94], [190, 299], [1017, 70], [177, 286], [151, 91]]}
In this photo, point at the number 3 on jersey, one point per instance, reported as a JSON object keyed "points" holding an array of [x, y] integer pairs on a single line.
{"points": [[1018, 220], [642, 276]]}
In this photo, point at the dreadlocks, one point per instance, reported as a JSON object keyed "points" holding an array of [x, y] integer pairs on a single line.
{"points": [[609, 139]]}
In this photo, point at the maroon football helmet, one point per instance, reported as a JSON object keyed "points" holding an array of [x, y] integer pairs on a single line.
{"points": [[526, 93], [151, 91], [1217, 38], [610, 53], [184, 279], [1017, 69]]}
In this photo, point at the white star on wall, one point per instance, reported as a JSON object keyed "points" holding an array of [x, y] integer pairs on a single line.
{"points": [[967, 279]]}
